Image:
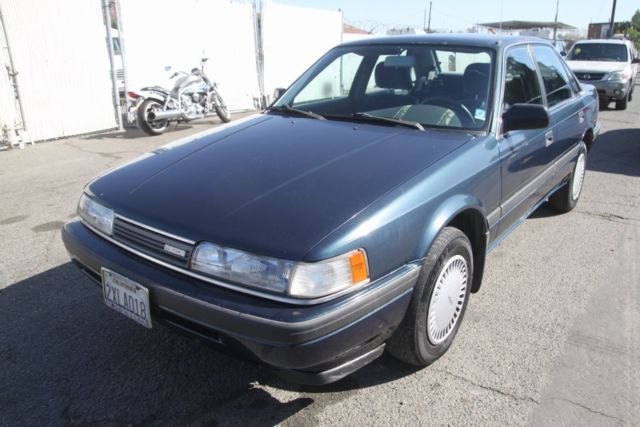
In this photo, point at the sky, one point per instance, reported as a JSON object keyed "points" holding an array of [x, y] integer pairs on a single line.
{"points": [[379, 15]]}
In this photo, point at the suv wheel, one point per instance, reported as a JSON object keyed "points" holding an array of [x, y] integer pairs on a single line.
{"points": [[622, 104]]}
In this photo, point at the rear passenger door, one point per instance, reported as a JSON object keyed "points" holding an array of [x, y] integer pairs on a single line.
{"points": [[524, 154], [566, 109]]}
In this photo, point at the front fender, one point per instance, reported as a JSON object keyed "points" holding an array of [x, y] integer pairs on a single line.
{"points": [[444, 214]]}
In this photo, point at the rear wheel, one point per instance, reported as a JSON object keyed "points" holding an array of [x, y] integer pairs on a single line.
{"points": [[439, 301], [151, 127], [567, 197]]}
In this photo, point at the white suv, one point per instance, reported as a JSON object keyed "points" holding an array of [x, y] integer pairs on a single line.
{"points": [[610, 65]]}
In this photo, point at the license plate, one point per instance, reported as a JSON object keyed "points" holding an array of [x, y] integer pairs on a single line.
{"points": [[126, 297]]}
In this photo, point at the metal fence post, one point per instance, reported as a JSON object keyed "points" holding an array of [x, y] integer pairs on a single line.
{"points": [[123, 56], [114, 78]]}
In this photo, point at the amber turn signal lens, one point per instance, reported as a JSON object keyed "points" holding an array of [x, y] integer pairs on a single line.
{"points": [[358, 264]]}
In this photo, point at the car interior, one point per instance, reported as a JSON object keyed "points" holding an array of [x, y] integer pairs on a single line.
{"points": [[434, 87]]}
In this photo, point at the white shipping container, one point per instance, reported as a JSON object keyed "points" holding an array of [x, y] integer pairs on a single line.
{"points": [[60, 54]]}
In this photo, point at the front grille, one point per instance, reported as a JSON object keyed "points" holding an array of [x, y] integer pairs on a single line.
{"points": [[152, 243], [587, 77]]}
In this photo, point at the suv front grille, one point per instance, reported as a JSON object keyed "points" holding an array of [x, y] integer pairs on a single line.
{"points": [[152, 243], [587, 77]]}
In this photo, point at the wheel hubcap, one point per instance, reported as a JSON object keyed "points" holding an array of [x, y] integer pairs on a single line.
{"points": [[447, 299], [578, 177]]}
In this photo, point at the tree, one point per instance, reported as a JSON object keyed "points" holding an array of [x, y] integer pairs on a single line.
{"points": [[635, 20], [634, 31]]}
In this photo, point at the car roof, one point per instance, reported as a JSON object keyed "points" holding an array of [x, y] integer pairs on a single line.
{"points": [[608, 41], [493, 41]]}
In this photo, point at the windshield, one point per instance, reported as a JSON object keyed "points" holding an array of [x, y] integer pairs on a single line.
{"points": [[433, 86], [598, 52]]}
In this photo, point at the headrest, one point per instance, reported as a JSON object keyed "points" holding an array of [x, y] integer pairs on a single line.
{"points": [[476, 78], [393, 77]]}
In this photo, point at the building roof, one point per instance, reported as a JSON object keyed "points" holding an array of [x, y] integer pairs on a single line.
{"points": [[350, 29], [527, 25]]}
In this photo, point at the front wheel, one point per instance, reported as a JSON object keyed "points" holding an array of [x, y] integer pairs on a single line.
{"points": [[439, 301], [567, 197], [151, 127], [221, 109], [622, 104]]}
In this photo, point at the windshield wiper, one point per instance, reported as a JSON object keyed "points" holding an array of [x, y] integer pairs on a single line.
{"points": [[291, 110], [370, 118]]}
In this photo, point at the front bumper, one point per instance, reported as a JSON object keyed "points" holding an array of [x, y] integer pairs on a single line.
{"points": [[610, 90], [314, 344]]}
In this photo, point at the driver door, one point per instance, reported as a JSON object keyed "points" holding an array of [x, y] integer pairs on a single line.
{"points": [[526, 164]]}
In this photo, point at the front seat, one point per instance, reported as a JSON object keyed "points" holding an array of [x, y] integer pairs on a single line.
{"points": [[390, 77], [476, 86]]}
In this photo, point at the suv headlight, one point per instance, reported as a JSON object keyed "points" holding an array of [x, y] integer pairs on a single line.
{"points": [[621, 76], [295, 279], [96, 215]]}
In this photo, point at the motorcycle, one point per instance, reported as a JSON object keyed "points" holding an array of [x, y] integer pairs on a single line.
{"points": [[193, 96]]}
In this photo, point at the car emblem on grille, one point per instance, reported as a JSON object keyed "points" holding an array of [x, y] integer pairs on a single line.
{"points": [[174, 250], [586, 76]]}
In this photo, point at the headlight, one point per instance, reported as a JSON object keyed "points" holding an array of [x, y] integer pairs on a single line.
{"points": [[622, 76], [302, 280], [267, 273], [95, 214], [317, 279]]}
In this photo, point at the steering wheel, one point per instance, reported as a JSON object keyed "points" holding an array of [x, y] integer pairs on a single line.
{"points": [[459, 109]]}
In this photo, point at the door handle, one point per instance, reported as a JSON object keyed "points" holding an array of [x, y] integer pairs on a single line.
{"points": [[548, 138], [581, 117]]}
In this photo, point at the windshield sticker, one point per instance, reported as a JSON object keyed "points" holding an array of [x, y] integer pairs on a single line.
{"points": [[480, 114]]}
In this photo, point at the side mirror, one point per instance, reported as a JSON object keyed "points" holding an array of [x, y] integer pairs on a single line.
{"points": [[524, 116], [636, 61], [278, 93], [204, 59]]}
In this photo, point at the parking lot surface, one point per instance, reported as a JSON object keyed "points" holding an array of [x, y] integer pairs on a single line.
{"points": [[552, 338]]}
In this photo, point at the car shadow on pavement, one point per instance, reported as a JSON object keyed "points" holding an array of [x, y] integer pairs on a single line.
{"points": [[616, 151], [65, 358]]}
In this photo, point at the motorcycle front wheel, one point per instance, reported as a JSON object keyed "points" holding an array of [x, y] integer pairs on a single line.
{"points": [[151, 127], [221, 109]]}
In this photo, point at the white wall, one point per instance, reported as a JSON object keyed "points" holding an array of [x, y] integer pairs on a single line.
{"points": [[9, 109], [178, 33], [60, 53], [293, 39]]}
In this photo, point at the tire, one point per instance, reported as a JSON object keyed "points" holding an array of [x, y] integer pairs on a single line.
{"points": [[221, 109], [567, 197], [622, 104], [156, 127], [420, 339]]}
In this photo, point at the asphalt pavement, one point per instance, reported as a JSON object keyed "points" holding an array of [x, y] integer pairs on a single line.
{"points": [[553, 338]]}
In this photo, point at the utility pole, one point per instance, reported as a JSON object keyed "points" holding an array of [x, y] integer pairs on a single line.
{"points": [[555, 22], [612, 21], [424, 21], [429, 24]]}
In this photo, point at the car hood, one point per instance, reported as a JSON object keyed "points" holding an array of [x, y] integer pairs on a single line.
{"points": [[596, 66], [271, 185]]}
